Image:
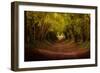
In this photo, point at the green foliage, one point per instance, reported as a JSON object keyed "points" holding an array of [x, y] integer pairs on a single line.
{"points": [[41, 26], [78, 27]]}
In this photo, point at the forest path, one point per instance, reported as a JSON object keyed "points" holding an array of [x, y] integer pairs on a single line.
{"points": [[62, 50]]}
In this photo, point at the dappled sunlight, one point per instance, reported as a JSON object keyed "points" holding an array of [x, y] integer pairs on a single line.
{"points": [[56, 36]]}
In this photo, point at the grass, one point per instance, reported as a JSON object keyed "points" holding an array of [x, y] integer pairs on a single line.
{"points": [[85, 44]]}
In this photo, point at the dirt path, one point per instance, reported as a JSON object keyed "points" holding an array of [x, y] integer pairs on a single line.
{"points": [[60, 50]]}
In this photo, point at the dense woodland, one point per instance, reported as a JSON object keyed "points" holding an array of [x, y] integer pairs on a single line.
{"points": [[49, 27]]}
